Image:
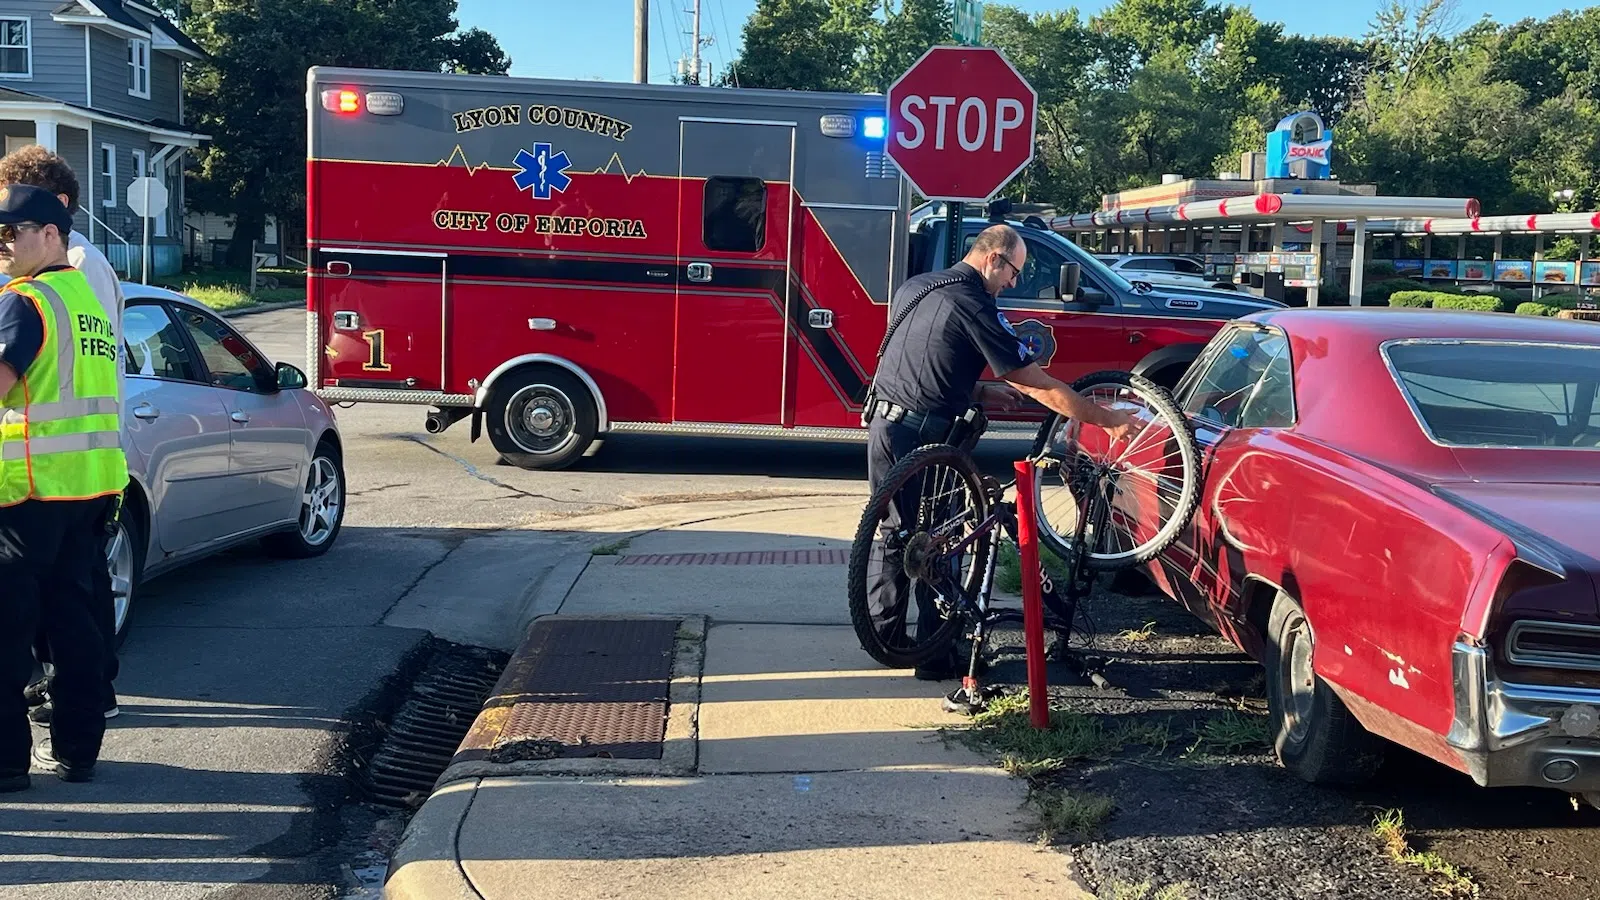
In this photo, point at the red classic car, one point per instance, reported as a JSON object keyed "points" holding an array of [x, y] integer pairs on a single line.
{"points": [[1400, 519]]}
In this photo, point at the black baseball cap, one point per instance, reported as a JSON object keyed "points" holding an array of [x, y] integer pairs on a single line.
{"points": [[25, 203]]}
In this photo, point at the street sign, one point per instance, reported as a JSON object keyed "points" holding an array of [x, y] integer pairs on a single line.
{"points": [[138, 198], [967, 24], [961, 123]]}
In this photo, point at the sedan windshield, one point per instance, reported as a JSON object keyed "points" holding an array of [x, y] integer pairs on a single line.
{"points": [[1501, 394]]}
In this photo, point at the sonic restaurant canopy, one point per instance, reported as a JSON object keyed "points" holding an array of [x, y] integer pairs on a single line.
{"points": [[1272, 208], [1578, 223]]}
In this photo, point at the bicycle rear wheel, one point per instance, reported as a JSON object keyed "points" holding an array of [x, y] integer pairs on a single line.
{"points": [[929, 502], [1152, 482]]}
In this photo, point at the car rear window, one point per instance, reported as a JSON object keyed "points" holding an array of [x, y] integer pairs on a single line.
{"points": [[1501, 394]]}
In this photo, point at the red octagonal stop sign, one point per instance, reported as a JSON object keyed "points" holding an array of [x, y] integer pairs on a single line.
{"points": [[961, 123]]}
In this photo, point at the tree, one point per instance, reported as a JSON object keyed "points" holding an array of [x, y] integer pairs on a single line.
{"points": [[798, 45], [250, 95], [905, 32]]}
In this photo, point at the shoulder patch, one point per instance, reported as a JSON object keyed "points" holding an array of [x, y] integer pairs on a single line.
{"points": [[1038, 341], [1006, 323]]}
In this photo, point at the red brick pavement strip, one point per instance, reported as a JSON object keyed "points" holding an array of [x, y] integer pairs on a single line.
{"points": [[745, 558]]}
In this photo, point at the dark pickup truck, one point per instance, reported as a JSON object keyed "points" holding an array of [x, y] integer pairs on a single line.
{"points": [[1078, 316]]}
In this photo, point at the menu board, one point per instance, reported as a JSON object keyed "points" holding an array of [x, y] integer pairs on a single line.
{"points": [[1408, 268], [1518, 271], [1591, 273], [1474, 269], [1439, 268], [1549, 272], [1299, 269]]}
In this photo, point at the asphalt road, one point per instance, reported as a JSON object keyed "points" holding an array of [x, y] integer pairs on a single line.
{"points": [[241, 672]]}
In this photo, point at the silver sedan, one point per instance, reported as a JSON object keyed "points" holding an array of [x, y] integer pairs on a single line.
{"points": [[223, 447]]}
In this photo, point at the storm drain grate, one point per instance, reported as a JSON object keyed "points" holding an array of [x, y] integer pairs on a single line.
{"points": [[422, 736]]}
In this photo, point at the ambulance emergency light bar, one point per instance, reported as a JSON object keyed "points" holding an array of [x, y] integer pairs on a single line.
{"points": [[349, 101]]}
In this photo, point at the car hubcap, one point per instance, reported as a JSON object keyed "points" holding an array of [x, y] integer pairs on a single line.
{"points": [[1301, 681], [119, 559], [540, 419], [319, 507]]}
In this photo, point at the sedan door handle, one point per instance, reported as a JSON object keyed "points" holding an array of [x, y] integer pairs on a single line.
{"points": [[1135, 337], [239, 417], [146, 411]]}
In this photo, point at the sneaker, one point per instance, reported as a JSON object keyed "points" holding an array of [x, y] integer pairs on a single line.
{"points": [[41, 714], [45, 758], [10, 784]]}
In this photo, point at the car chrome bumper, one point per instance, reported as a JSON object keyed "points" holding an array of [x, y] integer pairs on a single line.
{"points": [[1512, 735]]}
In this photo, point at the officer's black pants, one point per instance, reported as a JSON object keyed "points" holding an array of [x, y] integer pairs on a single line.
{"points": [[887, 584], [105, 610], [49, 552]]}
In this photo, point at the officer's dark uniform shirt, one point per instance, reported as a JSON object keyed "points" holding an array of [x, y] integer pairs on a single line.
{"points": [[937, 354], [21, 329]]}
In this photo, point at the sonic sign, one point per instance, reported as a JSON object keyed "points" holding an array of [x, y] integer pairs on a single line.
{"points": [[1300, 138]]}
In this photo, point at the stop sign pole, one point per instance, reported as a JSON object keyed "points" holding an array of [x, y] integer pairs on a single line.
{"points": [[961, 123]]}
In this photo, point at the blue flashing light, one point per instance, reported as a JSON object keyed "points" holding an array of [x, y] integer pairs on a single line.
{"points": [[874, 127]]}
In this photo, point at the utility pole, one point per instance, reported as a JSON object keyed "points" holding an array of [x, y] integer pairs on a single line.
{"points": [[641, 41], [694, 59]]}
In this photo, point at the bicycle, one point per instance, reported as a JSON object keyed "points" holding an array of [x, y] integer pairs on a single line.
{"points": [[1108, 497]]}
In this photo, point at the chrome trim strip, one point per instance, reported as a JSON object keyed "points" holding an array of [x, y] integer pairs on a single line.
{"points": [[375, 252], [804, 432], [870, 207], [378, 395]]}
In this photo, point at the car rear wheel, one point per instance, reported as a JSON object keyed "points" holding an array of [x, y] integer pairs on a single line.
{"points": [[125, 561], [322, 504], [1314, 734], [541, 418]]}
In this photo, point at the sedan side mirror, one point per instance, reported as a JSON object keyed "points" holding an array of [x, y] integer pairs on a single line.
{"points": [[290, 378], [1067, 281]]}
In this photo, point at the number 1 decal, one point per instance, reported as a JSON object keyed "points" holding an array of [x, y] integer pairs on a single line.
{"points": [[375, 361]]}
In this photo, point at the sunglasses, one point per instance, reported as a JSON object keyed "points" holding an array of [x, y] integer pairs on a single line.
{"points": [[8, 233]]}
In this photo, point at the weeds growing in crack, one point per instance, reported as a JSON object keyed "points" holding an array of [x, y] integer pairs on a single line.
{"points": [[1069, 815], [1232, 732], [614, 548], [1122, 890], [1140, 635], [1390, 828], [1004, 729]]}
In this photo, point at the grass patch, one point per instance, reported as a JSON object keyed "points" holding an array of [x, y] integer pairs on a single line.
{"points": [[225, 289], [1008, 567], [1230, 733], [1140, 635], [614, 548], [1390, 828], [1075, 817], [1027, 752], [1122, 890]]}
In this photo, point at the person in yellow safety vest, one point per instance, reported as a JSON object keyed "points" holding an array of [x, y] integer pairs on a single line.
{"points": [[39, 167], [61, 467]]}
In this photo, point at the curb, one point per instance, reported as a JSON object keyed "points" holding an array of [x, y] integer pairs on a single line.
{"points": [[260, 308], [425, 864], [679, 747]]}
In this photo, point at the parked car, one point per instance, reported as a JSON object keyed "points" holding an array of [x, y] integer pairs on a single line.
{"points": [[1398, 520], [223, 447], [1171, 269]]}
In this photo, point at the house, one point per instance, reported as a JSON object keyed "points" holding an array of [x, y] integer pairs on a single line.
{"points": [[101, 83]]}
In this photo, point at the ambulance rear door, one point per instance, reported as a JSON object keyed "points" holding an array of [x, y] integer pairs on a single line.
{"points": [[383, 314]]}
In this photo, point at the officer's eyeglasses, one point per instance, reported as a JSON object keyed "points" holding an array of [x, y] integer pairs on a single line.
{"points": [[8, 233], [1011, 264]]}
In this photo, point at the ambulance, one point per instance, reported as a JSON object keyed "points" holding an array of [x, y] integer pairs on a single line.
{"points": [[564, 260]]}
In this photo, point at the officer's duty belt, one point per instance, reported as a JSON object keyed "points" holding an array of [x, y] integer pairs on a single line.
{"points": [[922, 422]]}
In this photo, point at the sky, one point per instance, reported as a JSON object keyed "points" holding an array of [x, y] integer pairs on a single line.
{"points": [[593, 39]]}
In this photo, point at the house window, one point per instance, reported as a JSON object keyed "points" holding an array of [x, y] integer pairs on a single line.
{"points": [[108, 173], [16, 48], [735, 214], [139, 67]]}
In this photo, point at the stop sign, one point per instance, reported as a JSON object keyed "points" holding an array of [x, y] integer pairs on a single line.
{"points": [[961, 123]]}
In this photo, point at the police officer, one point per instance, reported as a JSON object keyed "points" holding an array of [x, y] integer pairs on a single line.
{"points": [[39, 167], [61, 466], [928, 377]]}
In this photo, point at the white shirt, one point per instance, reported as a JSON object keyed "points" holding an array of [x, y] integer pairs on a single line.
{"points": [[87, 258]]}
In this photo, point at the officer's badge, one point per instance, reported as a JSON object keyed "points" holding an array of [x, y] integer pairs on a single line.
{"points": [[1038, 340]]}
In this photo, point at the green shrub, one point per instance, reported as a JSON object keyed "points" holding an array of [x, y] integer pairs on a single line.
{"points": [[1415, 299], [1480, 302], [1376, 293], [1536, 309]]}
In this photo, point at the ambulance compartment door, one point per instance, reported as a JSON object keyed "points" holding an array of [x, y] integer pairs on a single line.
{"points": [[735, 221], [382, 316]]}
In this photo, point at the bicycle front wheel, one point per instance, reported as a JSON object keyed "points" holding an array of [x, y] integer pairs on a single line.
{"points": [[1126, 502], [906, 578]]}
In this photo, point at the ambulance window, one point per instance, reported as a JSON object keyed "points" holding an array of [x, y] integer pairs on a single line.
{"points": [[735, 214]]}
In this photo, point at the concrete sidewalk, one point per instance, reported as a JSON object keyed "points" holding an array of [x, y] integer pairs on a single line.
{"points": [[813, 772]]}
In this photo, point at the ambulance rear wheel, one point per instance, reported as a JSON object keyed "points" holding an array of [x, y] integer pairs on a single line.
{"points": [[541, 418]]}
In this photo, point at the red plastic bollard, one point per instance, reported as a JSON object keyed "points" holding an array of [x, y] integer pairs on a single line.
{"points": [[1032, 605]]}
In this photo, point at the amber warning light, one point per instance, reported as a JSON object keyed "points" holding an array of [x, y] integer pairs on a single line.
{"points": [[341, 100]]}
